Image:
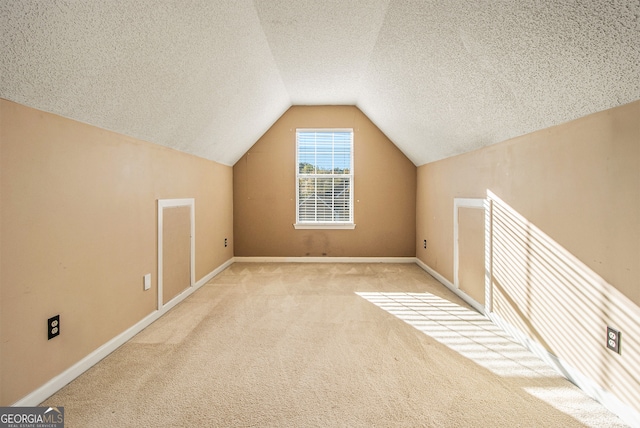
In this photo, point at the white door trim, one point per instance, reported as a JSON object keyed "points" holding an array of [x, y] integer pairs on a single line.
{"points": [[169, 203]]}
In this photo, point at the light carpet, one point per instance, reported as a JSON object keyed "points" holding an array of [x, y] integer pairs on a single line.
{"points": [[324, 345]]}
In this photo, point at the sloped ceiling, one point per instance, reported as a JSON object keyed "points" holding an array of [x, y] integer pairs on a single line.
{"points": [[210, 77]]}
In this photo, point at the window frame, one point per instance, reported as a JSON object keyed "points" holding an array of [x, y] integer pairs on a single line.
{"points": [[349, 224]]}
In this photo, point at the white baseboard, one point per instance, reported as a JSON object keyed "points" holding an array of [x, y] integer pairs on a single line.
{"points": [[444, 281], [324, 259], [629, 415], [625, 412], [208, 277], [611, 402], [186, 293], [58, 382]]}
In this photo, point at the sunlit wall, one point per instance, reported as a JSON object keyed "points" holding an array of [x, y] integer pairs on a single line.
{"points": [[564, 238]]}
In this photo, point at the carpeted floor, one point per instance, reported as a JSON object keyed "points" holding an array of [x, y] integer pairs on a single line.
{"points": [[324, 345]]}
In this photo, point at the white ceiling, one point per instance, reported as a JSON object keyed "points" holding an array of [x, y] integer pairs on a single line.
{"points": [[210, 77]]}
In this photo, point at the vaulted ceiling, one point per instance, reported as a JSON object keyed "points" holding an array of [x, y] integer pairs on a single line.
{"points": [[209, 77]]}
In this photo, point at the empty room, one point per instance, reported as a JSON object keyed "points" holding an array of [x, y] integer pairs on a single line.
{"points": [[320, 213]]}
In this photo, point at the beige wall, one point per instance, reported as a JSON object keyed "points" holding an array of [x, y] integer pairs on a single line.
{"points": [[78, 228], [265, 198], [565, 237]]}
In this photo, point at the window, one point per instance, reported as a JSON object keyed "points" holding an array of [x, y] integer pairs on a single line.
{"points": [[324, 179]]}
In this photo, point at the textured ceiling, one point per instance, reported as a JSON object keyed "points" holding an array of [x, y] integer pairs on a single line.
{"points": [[210, 77]]}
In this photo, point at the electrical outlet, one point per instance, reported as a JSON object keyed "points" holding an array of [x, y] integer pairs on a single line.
{"points": [[147, 281], [225, 242], [613, 340], [53, 327], [424, 243]]}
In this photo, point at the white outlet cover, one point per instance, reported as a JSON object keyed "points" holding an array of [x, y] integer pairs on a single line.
{"points": [[147, 281]]}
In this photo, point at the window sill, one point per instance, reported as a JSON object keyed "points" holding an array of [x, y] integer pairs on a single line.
{"points": [[325, 226]]}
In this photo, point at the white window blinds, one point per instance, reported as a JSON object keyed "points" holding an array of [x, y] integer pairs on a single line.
{"points": [[325, 175]]}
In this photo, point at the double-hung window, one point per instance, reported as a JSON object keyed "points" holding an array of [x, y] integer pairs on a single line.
{"points": [[324, 179]]}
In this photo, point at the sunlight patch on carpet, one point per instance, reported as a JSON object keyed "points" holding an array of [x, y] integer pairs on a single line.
{"points": [[475, 337]]}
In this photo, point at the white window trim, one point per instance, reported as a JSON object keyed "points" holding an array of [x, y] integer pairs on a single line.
{"points": [[348, 225], [333, 225]]}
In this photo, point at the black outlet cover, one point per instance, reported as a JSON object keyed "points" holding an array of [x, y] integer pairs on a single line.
{"points": [[613, 340], [53, 327]]}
